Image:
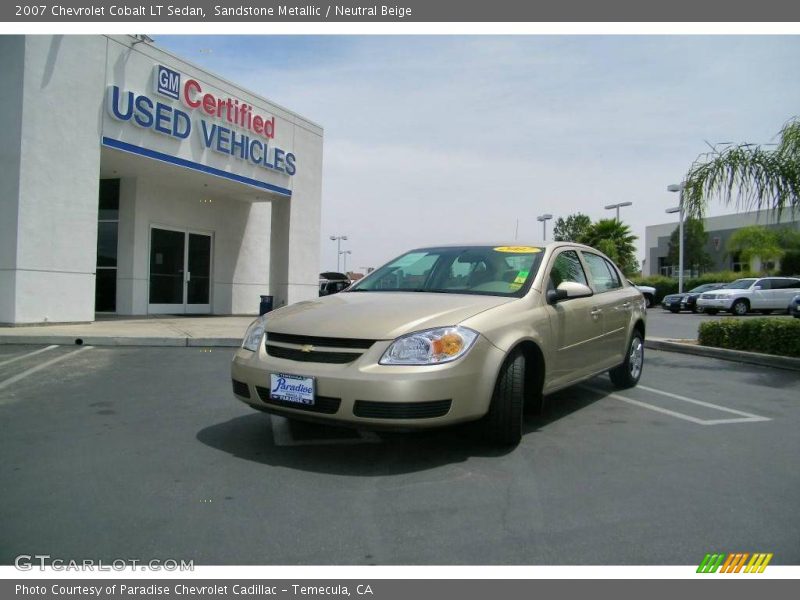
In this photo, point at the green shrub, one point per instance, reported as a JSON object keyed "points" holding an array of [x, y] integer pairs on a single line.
{"points": [[766, 335], [790, 263]]}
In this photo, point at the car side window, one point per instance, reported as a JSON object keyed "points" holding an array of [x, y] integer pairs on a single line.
{"points": [[604, 275], [782, 284], [567, 267], [765, 284]]}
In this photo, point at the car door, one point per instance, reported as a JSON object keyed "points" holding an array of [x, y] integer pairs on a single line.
{"points": [[615, 303], [783, 290], [759, 294], [576, 327]]}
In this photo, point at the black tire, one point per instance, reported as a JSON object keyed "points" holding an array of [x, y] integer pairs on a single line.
{"points": [[674, 311], [628, 373], [740, 307], [504, 419], [696, 309], [648, 301], [711, 311]]}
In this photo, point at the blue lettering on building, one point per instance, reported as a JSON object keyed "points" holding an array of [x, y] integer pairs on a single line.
{"points": [[173, 122]]}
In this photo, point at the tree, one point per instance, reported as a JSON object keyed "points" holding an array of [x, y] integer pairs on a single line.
{"points": [[615, 240], [695, 239], [748, 175], [755, 241], [571, 229]]}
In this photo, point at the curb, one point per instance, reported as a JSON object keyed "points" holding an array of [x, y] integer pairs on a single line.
{"points": [[752, 358], [69, 340]]}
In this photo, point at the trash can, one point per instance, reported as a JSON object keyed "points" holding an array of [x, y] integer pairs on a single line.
{"points": [[265, 306]]}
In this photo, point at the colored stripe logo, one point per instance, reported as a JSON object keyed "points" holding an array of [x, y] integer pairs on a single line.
{"points": [[735, 562]]}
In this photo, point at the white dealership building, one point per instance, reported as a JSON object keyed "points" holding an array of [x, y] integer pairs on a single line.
{"points": [[134, 182]]}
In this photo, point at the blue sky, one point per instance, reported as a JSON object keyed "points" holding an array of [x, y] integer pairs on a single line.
{"points": [[441, 139]]}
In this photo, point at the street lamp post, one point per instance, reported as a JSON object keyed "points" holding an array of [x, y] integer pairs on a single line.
{"points": [[678, 187], [338, 239], [344, 261], [544, 219], [617, 206]]}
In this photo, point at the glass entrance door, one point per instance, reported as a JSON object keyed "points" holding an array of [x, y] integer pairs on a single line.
{"points": [[198, 277], [180, 272]]}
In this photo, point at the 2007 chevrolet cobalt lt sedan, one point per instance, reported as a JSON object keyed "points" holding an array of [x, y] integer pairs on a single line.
{"points": [[445, 335]]}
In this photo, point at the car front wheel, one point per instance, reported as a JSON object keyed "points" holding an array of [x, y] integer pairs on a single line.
{"points": [[628, 373], [504, 419], [740, 308]]}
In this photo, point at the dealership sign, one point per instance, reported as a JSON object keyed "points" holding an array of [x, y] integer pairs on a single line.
{"points": [[224, 125]]}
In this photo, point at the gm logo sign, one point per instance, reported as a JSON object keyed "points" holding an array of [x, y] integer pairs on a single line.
{"points": [[168, 82]]}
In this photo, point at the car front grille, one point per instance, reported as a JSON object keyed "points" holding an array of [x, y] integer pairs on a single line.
{"points": [[401, 410], [338, 358], [322, 404], [304, 348]]}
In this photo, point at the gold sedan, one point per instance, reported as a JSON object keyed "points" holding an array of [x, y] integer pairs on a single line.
{"points": [[447, 334]]}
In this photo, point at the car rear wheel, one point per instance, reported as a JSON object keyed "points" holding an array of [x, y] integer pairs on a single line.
{"points": [[628, 373], [504, 419], [674, 310], [740, 307]]}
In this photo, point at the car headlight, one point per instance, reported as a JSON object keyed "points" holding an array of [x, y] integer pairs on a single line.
{"points": [[254, 334], [430, 347]]}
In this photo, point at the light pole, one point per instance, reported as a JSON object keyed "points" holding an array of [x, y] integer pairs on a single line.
{"points": [[338, 239], [678, 187], [544, 219], [344, 261], [617, 206]]}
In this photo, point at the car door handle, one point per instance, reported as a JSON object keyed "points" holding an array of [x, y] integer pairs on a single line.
{"points": [[596, 312]]}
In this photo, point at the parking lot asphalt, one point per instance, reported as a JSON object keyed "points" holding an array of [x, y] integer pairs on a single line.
{"points": [[144, 453]]}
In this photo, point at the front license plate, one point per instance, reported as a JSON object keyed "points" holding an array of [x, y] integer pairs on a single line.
{"points": [[291, 388]]}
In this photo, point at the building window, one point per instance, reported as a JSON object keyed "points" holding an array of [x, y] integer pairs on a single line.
{"points": [[105, 289], [737, 266]]}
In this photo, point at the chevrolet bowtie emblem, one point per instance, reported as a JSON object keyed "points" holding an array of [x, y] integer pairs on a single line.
{"points": [[307, 348]]}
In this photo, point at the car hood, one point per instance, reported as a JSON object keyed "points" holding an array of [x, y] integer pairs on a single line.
{"points": [[377, 315]]}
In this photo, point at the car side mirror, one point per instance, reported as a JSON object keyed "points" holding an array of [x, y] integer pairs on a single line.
{"points": [[567, 290]]}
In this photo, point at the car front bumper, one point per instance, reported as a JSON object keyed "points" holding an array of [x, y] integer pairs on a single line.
{"points": [[717, 303], [366, 394]]}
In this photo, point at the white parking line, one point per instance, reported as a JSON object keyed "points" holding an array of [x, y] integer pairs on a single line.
{"points": [[282, 436], [743, 418], [34, 353], [7, 382]]}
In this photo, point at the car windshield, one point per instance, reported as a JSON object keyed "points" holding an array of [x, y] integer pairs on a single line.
{"points": [[485, 270], [740, 284], [705, 288]]}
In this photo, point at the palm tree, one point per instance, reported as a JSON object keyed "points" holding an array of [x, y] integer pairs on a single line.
{"points": [[615, 240], [748, 175]]}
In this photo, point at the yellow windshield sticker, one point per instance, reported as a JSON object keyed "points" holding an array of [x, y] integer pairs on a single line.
{"points": [[513, 287], [518, 249], [521, 277]]}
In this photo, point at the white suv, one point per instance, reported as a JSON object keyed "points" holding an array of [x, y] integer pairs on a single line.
{"points": [[743, 295]]}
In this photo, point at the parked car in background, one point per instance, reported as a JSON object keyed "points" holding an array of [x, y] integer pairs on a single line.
{"points": [[331, 282], [794, 307], [648, 292], [763, 294], [688, 300], [445, 335]]}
